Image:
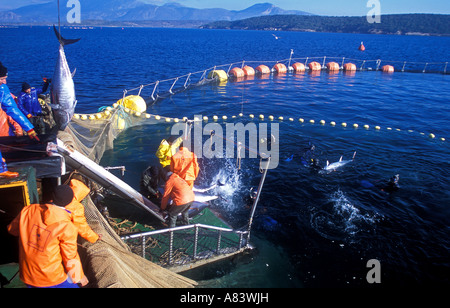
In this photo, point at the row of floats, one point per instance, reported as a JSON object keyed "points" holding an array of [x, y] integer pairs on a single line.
{"points": [[135, 105], [297, 67]]}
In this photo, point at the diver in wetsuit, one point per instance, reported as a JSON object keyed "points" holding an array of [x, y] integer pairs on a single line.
{"points": [[392, 185], [149, 184], [315, 165], [307, 155]]}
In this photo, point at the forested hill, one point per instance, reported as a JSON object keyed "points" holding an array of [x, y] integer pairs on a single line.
{"points": [[426, 24]]}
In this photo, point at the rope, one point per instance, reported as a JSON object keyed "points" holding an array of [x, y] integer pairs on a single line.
{"points": [[22, 150]]}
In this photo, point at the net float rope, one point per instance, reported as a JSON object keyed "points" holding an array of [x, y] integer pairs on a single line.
{"points": [[108, 112]]}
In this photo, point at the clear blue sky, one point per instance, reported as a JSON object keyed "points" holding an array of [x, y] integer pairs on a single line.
{"points": [[319, 7]]}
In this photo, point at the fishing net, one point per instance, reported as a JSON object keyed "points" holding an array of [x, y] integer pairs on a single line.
{"points": [[94, 134], [109, 263]]}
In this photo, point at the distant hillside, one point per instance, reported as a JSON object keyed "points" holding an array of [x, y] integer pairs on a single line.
{"points": [[425, 24], [135, 11]]}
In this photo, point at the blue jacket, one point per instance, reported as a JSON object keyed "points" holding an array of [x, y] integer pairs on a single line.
{"points": [[9, 106], [29, 103]]}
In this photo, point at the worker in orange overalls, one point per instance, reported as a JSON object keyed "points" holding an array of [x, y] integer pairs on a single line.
{"points": [[48, 255], [184, 163], [182, 197], [80, 191]]}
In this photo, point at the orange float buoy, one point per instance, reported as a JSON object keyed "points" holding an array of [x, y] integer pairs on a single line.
{"points": [[280, 68], [248, 70], [237, 72], [315, 66], [349, 67], [362, 47], [388, 69], [298, 67], [262, 69], [333, 66]]}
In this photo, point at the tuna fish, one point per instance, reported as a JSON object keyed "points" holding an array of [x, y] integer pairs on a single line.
{"points": [[63, 89], [334, 166]]}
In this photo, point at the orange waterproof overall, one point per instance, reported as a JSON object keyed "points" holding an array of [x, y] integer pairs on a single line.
{"points": [[184, 163], [47, 246], [80, 191]]}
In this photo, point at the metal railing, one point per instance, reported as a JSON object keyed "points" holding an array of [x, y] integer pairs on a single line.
{"points": [[218, 248], [165, 88]]}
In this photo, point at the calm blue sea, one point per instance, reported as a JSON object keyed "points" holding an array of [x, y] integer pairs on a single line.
{"points": [[312, 230]]}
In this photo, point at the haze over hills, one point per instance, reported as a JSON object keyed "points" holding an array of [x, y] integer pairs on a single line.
{"points": [[136, 11]]}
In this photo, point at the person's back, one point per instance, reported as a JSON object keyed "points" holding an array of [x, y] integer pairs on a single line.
{"points": [[177, 190], [48, 252], [184, 163], [48, 243], [182, 196]]}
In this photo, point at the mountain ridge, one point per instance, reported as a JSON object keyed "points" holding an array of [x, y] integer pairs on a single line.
{"points": [[137, 11]]}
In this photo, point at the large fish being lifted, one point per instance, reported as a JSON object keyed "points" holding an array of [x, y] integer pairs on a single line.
{"points": [[63, 100]]}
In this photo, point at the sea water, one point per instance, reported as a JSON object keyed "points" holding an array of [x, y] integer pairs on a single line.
{"points": [[310, 229]]}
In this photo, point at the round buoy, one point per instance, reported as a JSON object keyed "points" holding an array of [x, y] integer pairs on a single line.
{"points": [[221, 75], [298, 67], [263, 69], [237, 72], [388, 69], [133, 102], [349, 67], [315, 66], [248, 70], [332, 66], [280, 68]]}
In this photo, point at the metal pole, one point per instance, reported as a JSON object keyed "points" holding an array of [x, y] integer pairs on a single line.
{"points": [[170, 91], [59, 21], [255, 203], [154, 90], [171, 247], [187, 79], [195, 242], [143, 247], [219, 239], [290, 58]]}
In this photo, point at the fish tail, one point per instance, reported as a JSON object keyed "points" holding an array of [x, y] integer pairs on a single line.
{"points": [[62, 40]]}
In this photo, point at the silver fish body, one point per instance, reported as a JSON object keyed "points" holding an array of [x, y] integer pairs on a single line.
{"points": [[63, 92], [336, 165], [63, 88]]}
